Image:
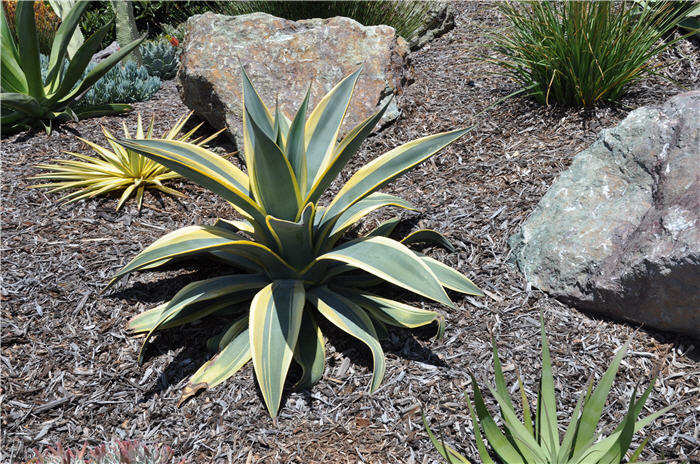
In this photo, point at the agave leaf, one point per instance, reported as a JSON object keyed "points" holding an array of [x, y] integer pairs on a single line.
{"points": [[24, 103], [97, 111], [234, 226], [28, 45], [393, 312], [294, 239], [272, 181], [235, 288], [450, 278], [310, 352], [183, 242], [222, 366], [345, 150], [12, 76], [219, 342], [59, 47], [428, 236], [203, 167], [351, 319], [323, 125], [362, 208], [392, 262], [385, 229], [380, 171], [295, 146], [275, 320], [445, 451], [61, 86]]}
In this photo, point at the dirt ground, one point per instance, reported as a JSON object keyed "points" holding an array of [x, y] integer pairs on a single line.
{"points": [[69, 370]]}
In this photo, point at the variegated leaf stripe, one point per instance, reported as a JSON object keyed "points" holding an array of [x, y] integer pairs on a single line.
{"points": [[275, 319], [296, 144], [451, 278], [272, 181], [201, 166], [385, 229], [393, 262], [229, 286], [310, 352], [365, 206], [428, 236], [198, 239], [351, 319], [323, 125], [226, 363], [345, 150], [394, 312], [387, 167]]}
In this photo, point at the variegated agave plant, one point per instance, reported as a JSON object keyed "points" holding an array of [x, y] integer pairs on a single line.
{"points": [[116, 169], [288, 255]]}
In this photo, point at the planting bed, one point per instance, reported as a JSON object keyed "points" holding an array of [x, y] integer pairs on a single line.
{"points": [[69, 370]]}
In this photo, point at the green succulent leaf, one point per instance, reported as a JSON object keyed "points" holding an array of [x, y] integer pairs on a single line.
{"points": [[275, 319], [287, 254]]}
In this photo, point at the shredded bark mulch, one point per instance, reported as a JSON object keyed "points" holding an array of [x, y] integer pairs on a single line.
{"points": [[69, 370]]}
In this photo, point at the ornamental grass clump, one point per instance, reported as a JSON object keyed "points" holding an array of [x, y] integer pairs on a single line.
{"points": [[536, 440], [578, 53], [118, 169], [289, 264], [27, 99]]}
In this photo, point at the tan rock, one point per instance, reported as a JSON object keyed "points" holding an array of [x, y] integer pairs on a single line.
{"points": [[282, 58]]}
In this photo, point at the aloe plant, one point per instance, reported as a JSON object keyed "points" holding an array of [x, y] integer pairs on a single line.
{"points": [[288, 254], [27, 99], [536, 440]]}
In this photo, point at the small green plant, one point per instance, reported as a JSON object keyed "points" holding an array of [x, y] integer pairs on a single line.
{"points": [[536, 440], [27, 99], [127, 83], [118, 452], [116, 169], [578, 53], [288, 256], [160, 58]]}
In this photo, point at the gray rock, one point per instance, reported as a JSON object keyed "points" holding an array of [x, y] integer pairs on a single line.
{"points": [[282, 58], [105, 52], [439, 20], [619, 232]]}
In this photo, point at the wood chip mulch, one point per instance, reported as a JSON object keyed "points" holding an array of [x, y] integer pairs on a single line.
{"points": [[69, 370]]}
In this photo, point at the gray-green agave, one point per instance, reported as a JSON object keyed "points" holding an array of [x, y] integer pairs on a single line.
{"points": [[160, 59], [288, 256]]}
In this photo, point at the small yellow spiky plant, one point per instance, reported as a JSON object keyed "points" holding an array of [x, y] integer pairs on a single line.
{"points": [[117, 169]]}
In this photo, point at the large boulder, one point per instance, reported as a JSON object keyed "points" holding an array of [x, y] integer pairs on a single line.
{"points": [[619, 232], [282, 58]]}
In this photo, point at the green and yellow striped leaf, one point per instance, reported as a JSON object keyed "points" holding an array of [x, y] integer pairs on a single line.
{"points": [[351, 319], [379, 172], [222, 366], [362, 208], [294, 239], [323, 126], [393, 262], [296, 146], [428, 236], [275, 319], [451, 278], [310, 352], [272, 180], [394, 312], [345, 150], [385, 229]]}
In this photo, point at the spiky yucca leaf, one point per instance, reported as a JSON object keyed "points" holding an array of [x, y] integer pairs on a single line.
{"points": [[303, 272], [116, 169], [539, 443]]}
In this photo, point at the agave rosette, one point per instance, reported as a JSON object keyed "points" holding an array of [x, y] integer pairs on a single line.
{"points": [[117, 169], [290, 266]]}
